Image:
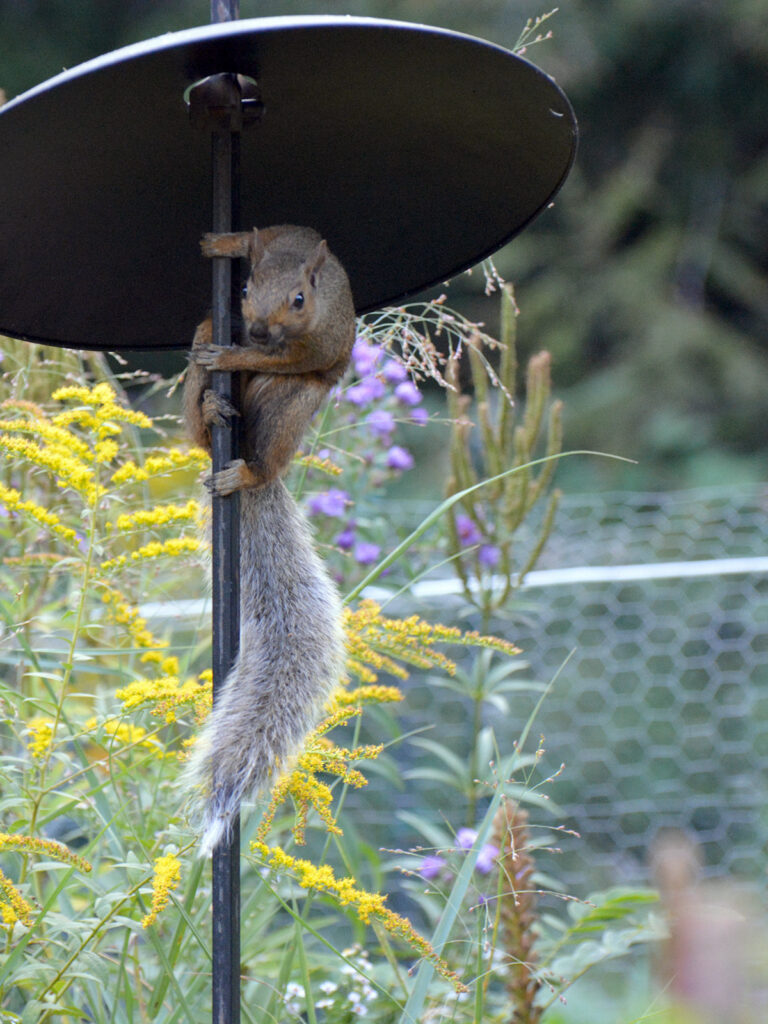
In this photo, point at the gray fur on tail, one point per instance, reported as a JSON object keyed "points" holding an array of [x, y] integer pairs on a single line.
{"points": [[290, 660]]}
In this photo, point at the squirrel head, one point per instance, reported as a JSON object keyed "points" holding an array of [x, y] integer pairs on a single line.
{"points": [[280, 299]]}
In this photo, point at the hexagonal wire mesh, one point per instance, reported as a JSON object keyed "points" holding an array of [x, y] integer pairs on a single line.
{"points": [[660, 604]]}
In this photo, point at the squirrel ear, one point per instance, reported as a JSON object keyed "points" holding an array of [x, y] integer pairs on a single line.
{"points": [[255, 248], [315, 261]]}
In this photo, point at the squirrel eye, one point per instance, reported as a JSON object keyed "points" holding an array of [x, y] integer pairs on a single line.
{"points": [[298, 301]]}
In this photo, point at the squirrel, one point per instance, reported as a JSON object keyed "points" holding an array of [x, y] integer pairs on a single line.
{"points": [[298, 328]]}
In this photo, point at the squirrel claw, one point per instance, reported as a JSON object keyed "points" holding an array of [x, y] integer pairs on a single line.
{"points": [[208, 244], [216, 409], [206, 355]]}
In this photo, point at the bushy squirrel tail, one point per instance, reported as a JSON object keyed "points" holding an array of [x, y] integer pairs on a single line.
{"points": [[290, 660]]}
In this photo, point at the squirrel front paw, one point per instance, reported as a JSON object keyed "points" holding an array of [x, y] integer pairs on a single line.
{"points": [[233, 245], [228, 480], [209, 244], [216, 409], [207, 355]]}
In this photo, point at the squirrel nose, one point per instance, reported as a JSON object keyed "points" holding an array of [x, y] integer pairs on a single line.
{"points": [[258, 330], [261, 331]]}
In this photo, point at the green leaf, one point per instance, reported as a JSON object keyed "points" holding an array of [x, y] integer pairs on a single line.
{"points": [[434, 775], [437, 838], [453, 761], [613, 905]]}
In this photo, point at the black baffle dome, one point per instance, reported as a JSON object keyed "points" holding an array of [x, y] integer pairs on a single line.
{"points": [[414, 151]]}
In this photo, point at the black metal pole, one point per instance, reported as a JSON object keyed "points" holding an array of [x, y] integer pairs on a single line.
{"points": [[225, 542]]}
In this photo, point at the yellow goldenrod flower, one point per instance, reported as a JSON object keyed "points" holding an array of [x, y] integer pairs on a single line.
{"points": [[323, 465], [40, 729], [170, 666], [81, 417], [13, 906], [154, 465], [166, 695], [161, 515], [336, 716], [69, 470], [319, 756], [475, 639], [106, 451], [376, 643], [72, 392], [126, 735], [23, 405], [356, 667], [50, 847], [368, 695], [126, 614], [13, 501], [110, 412], [124, 731], [107, 413], [102, 394], [34, 558], [366, 905], [166, 878], [7, 914], [52, 432], [173, 547]]}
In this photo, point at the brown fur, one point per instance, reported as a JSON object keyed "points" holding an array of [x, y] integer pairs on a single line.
{"points": [[290, 358], [298, 331]]}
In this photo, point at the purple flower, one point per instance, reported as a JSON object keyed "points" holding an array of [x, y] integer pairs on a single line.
{"points": [[366, 553], [365, 357], [329, 503], [399, 458], [407, 393], [346, 538], [394, 371], [431, 866], [368, 390], [380, 422], [419, 416], [465, 838], [488, 555], [486, 858], [467, 531]]}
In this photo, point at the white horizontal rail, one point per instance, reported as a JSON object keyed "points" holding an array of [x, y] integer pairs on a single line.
{"points": [[427, 589]]}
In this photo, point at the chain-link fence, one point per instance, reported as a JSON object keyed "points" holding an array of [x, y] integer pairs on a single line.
{"points": [[661, 715], [649, 615], [652, 613]]}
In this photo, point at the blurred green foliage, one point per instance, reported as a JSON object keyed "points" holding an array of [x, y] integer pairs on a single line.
{"points": [[647, 281]]}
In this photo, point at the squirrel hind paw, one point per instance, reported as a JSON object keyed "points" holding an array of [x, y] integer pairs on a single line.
{"points": [[233, 477], [217, 409]]}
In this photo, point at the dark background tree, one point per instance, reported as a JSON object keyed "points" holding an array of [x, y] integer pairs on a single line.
{"points": [[647, 281]]}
